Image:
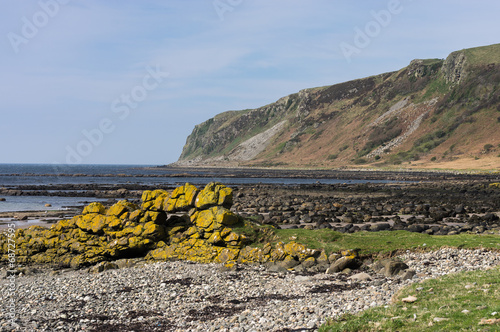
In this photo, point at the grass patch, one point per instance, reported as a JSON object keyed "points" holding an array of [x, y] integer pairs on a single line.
{"points": [[440, 306], [368, 243], [385, 242]]}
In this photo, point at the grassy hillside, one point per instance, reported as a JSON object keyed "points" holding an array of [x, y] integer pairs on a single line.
{"points": [[432, 113]]}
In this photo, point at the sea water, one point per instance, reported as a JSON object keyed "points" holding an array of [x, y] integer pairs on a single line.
{"points": [[12, 175]]}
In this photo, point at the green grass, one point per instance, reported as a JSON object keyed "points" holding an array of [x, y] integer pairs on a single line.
{"points": [[483, 55], [439, 306], [445, 297], [385, 242], [368, 243]]}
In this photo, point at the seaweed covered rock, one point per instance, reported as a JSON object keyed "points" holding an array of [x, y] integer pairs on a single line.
{"points": [[186, 224]]}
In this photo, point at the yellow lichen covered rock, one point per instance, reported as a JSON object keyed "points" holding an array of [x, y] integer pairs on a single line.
{"points": [[299, 251], [249, 255], [158, 230], [150, 198], [223, 216], [120, 208], [227, 255], [182, 198], [349, 253], [94, 208], [214, 193], [204, 219], [153, 231]]}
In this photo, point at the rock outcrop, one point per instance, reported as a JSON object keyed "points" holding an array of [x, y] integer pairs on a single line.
{"points": [[185, 224], [453, 67]]}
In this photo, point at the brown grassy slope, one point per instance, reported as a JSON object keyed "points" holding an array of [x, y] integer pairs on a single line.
{"points": [[449, 117]]}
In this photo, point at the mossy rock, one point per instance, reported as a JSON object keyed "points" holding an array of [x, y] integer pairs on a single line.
{"points": [[120, 208], [213, 194], [204, 219], [249, 255], [151, 198], [227, 255], [224, 216], [158, 217], [95, 207], [92, 222], [299, 251], [153, 231]]}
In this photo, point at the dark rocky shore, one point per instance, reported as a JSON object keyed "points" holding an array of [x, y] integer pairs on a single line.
{"points": [[430, 202], [437, 208]]}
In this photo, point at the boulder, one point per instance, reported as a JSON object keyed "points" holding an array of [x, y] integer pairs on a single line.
{"points": [[103, 266], [362, 276], [343, 263], [389, 267]]}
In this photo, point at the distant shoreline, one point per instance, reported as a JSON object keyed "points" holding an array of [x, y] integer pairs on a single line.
{"points": [[339, 173]]}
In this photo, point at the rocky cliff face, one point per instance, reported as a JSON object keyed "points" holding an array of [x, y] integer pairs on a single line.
{"points": [[433, 111], [453, 67]]}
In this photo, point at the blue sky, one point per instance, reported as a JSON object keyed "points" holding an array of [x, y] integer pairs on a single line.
{"points": [[125, 82]]}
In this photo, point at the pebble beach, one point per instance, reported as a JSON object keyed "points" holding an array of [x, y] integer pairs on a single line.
{"points": [[184, 296]]}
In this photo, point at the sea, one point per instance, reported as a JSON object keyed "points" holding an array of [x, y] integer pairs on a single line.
{"points": [[13, 175]]}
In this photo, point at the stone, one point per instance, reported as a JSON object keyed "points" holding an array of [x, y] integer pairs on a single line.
{"points": [[362, 276], [393, 267], [409, 299], [94, 208], [350, 253], [492, 321], [407, 274], [343, 263], [389, 267], [288, 263], [380, 227], [103, 266], [333, 257], [440, 319], [120, 208]]}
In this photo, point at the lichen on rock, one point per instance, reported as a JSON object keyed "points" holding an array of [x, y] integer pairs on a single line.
{"points": [[186, 224]]}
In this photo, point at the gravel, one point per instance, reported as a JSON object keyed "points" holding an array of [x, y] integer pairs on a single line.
{"points": [[183, 296]]}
